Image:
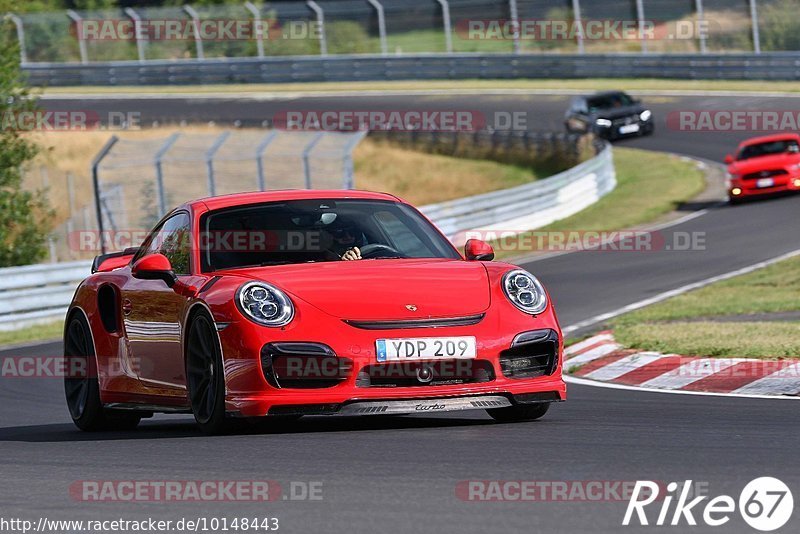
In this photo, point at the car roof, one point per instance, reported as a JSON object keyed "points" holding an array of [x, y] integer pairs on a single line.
{"points": [[260, 197], [770, 138], [605, 93]]}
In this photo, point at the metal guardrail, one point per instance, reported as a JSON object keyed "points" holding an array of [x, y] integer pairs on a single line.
{"points": [[765, 66], [529, 206], [36, 294]]}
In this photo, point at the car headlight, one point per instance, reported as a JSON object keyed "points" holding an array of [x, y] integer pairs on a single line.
{"points": [[265, 304], [605, 123], [525, 291], [645, 115]]}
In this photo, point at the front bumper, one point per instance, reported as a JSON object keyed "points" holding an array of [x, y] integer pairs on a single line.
{"points": [[750, 189], [412, 406], [614, 131], [250, 393]]}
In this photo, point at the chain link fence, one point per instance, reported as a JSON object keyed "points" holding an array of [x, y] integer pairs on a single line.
{"points": [[406, 27], [137, 181]]}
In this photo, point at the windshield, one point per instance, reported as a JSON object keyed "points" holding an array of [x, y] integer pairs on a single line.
{"points": [[302, 231], [768, 149], [615, 100]]}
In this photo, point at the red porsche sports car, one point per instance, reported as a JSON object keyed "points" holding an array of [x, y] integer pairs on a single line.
{"points": [[292, 303], [764, 165]]}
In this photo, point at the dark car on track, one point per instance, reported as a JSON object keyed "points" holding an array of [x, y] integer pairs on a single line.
{"points": [[610, 115]]}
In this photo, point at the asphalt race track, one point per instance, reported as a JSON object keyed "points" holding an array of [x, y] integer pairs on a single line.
{"points": [[400, 474]]}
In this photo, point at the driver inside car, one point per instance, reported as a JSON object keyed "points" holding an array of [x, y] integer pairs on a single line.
{"points": [[345, 242]]}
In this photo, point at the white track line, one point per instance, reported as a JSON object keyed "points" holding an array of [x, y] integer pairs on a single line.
{"points": [[675, 292], [612, 385]]}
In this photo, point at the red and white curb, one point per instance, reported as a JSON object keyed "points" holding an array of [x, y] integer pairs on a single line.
{"points": [[602, 359]]}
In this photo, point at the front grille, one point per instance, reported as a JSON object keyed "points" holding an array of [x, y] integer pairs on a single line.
{"points": [[425, 374], [303, 365], [417, 323], [622, 121], [764, 174], [531, 354]]}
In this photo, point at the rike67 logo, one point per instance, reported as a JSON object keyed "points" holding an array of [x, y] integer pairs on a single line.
{"points": [[766, 504]]}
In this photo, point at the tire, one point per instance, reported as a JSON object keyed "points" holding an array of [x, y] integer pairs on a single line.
{"points": [[81, 387], [205, 378], [520, 412]]}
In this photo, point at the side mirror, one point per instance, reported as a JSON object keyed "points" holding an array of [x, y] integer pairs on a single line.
{"points": [[728, 159], [477, 250], [154, 267]]}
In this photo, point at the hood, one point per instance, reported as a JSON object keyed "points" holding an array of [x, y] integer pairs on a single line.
{"points": [[616, 113], [764, 163], [376, 290]]}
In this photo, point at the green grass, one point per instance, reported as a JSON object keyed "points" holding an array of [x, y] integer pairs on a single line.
{"points": [[42, 332], [769, 290], [664, 327], [649, 184], [588, 85], [711, 339]]}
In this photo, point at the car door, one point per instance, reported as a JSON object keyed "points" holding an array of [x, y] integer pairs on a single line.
{"points": [[152, 311]]}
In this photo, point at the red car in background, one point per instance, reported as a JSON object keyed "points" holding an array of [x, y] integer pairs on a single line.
{"points": [[763, 166], [244, 306]]}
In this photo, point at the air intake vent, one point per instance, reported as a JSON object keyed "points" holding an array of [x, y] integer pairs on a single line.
{"points": [[532, 354], [303, 365]]}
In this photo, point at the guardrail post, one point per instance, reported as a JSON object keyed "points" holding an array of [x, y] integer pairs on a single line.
{"points": [[96, 183], [323, 41], [640, 17], [260, 149], [576, 15], [306, 155], [72, 14], [701, 26], [161, 195], [448, 37], [198, 40], [349, 178], [23, 57], [514, 13], [215, 146], [381, 26], [756, 30], [138, 31], [258, 27]]}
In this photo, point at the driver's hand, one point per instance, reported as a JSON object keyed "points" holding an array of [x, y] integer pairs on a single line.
{"points": [[352, 254]]}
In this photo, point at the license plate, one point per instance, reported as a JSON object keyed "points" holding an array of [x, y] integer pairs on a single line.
{"points": [[424, 348], [765, 182], [628, 129]]}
